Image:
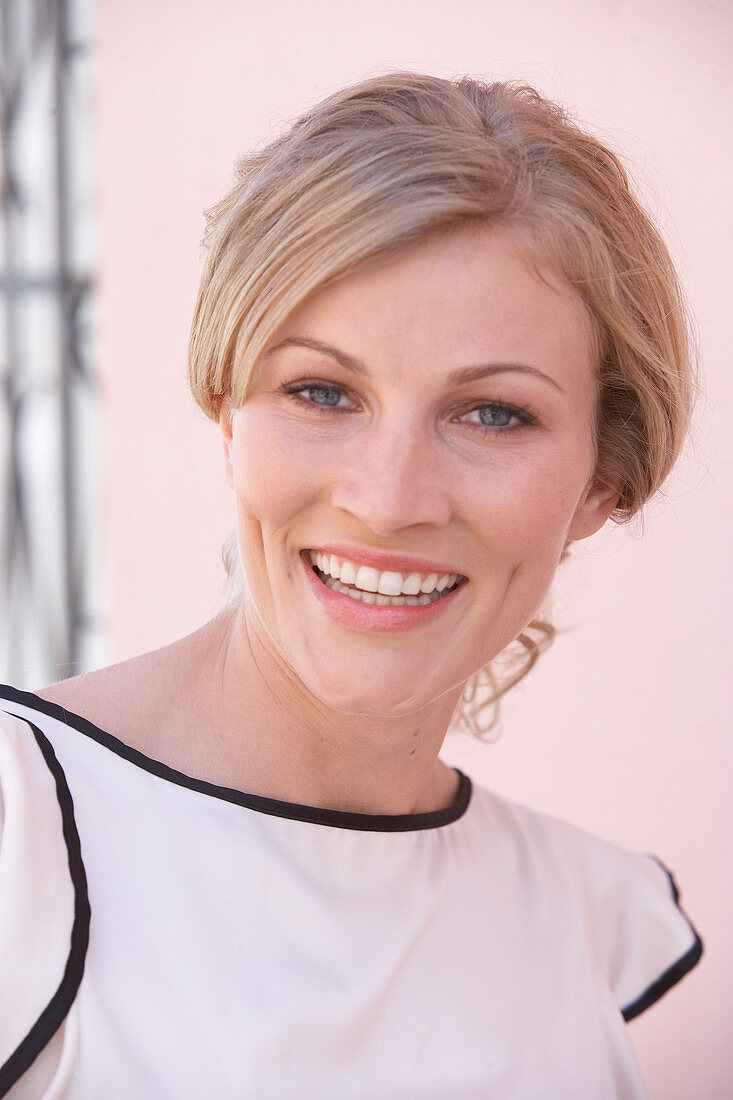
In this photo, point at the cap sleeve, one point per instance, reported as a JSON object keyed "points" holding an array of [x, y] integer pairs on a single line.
{"points": [[655, 944], [644, 940], [44, 909]]}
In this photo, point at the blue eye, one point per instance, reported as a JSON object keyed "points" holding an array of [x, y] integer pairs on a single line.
{"points": [[495, 416], [314, 393], [322, 395]]}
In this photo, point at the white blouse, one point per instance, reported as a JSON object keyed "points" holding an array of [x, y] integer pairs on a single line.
{"points": [[162, 938]]}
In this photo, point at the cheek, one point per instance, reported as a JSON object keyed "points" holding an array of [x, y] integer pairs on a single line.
{"points": [[523, 514], [522, 534], [272, 478]]}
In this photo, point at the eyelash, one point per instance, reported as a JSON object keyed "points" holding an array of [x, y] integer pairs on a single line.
{"points": [[297, 388], [525, 418]]}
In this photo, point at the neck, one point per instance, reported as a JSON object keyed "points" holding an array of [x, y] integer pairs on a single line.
{"points": [[274, 738]]}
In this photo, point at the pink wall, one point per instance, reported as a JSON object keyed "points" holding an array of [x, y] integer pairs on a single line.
{"points": [[622, 728]]}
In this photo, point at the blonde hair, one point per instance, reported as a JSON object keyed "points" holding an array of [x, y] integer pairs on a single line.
{"points": [[391, 161]]}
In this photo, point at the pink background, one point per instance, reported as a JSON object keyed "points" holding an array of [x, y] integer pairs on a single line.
{"points": [[623, 727]]}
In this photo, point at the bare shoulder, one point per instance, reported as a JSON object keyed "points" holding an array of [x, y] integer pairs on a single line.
{"points": [[115, 698], [139, 699], [89, 688]]}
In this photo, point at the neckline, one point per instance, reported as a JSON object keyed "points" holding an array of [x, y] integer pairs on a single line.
{"points": [[294, 811]]}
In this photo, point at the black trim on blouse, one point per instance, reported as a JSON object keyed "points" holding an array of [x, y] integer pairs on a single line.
{"points": [[58, 1007], [677, 970], [315, 815]]}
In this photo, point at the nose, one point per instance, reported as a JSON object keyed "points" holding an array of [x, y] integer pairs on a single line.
{"points": [[394, 480]]}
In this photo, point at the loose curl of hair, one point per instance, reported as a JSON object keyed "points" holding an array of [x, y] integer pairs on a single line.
{"points": [[397, 159]]}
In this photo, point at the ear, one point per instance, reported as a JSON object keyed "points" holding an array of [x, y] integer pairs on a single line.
{"points": [[596, 505], [226, 423]]}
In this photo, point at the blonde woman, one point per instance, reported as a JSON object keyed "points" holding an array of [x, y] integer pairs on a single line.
{"points": [[442, 342]]}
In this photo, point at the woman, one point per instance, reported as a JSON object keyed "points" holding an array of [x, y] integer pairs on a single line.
{"points": [[442, 342]]}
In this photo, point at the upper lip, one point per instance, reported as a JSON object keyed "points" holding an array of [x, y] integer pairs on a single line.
{"points": [[384, 561]]}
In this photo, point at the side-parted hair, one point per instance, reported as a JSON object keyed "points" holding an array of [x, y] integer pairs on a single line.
{"points": [[387, 163]]}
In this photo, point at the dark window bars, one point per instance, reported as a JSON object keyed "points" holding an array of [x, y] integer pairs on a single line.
{"points": [[49, 537]]}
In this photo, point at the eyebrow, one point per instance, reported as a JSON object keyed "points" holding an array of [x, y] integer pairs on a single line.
{"points": [[458, 377]]}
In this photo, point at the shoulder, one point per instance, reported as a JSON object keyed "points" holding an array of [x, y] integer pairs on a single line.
{"points": [[42, 871], [113, 698], [629, 903], [121, 701], [143, 700], [135, 700]]}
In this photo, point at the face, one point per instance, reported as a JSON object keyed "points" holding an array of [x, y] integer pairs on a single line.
{"points": [[423, 429]]}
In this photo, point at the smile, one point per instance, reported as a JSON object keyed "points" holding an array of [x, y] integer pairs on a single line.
{"points": [[381, 588]]}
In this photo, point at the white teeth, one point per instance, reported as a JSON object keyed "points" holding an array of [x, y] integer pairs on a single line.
{"points": [[367, 579], [411, 584], [390, 584], [348, 572], [382, 588], [379, 598]]}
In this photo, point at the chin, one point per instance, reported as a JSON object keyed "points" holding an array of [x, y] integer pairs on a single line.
{"points": [[386, 696]]}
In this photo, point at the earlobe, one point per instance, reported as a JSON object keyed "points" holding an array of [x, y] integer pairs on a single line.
{"points": [[226, 426], [597, 505]]}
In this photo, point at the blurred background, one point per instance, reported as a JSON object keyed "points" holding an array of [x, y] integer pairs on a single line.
{"points": [[50, 596], [120, 123]]}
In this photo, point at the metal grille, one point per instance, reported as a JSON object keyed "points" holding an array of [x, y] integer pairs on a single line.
{"points": [[49, 575]]}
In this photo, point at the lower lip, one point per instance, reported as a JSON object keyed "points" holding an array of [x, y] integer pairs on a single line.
{"points": [[371, 617]]}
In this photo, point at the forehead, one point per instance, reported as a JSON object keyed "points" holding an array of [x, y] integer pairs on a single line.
{"points": [[457, 299]]}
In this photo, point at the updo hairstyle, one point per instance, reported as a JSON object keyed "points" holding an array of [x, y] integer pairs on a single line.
{"points": [[387, 163]]}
